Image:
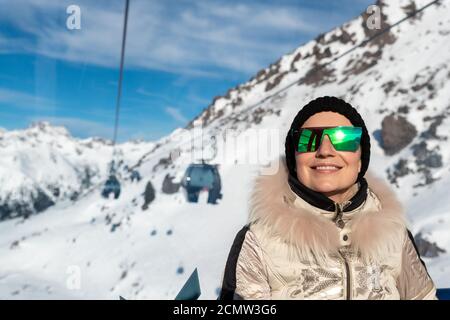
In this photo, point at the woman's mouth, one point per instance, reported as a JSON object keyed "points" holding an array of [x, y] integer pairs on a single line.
{"points": [[326, 168]]}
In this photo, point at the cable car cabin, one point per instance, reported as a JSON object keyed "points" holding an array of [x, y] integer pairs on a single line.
{"points": [[135, 175], [202, 177], [112, 185]]}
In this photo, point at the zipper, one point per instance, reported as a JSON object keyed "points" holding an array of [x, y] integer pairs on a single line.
{"points": [[338, 214], [348, 293], [341, 224]]}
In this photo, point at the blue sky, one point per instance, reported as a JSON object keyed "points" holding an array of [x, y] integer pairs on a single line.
{"points": [[179, 55]]}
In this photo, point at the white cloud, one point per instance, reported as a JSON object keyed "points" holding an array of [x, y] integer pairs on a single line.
{"points": [[144, 92], [176, 114], [23, 100], [144, 128], [79, 127], [194, 98], [185, 37], [269, 16]]}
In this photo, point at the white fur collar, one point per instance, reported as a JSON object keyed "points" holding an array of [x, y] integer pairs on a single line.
{"points": [[376, 229]]}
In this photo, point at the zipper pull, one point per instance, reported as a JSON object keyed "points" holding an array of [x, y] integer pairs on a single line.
{"points": [[338, 219], [340, 223]]}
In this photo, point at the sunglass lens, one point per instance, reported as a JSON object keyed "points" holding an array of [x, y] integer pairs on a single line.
{"points": [[345, 138], [304, 142]]}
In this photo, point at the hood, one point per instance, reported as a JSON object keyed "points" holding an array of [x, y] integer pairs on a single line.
{"points": [[377, 226]]}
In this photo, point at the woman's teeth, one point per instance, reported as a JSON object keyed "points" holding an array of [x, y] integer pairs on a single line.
{"points": [[327, 168]]}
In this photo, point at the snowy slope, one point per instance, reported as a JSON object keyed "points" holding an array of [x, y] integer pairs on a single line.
{"points": [[44, 164], [119, 249]]}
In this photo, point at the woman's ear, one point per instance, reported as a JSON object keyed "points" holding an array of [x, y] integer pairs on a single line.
{"points": [[359, 166]]}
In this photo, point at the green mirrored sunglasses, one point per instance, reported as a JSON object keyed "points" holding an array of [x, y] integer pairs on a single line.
{"points": [[343, 138]]}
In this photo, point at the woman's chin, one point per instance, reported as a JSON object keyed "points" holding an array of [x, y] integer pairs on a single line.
{"points": [[326, 189]]}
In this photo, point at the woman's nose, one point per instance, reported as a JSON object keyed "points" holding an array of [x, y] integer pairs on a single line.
{"points": [[326, 147]]}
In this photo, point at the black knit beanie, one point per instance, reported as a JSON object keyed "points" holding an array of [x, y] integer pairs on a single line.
{"points": [[335, 105]]}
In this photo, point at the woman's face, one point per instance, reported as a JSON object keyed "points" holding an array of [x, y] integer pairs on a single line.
{"points": [[336, 182]]}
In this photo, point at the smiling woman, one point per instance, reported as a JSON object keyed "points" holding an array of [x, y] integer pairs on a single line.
{"points": [[318, 229], [327, 170]]}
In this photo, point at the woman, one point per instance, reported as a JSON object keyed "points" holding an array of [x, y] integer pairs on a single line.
{"points": [[318, 229]]}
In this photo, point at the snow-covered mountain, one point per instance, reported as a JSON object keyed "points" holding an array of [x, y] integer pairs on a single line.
{"points": [[399, 82], [44, 164]]}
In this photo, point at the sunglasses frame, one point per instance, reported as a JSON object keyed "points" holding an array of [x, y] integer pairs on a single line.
{"points": [[295, 134]]}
